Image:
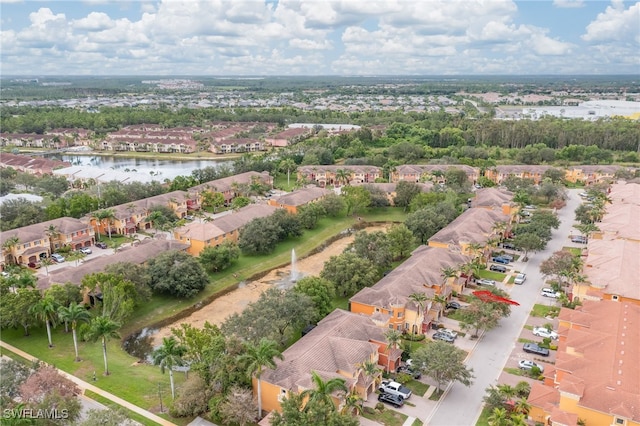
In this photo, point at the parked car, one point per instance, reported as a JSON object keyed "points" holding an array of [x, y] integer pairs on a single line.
{"points": [[530, 207], [453, 305], [410, 371], [507, 256], [525, 364], [34, 265], [101, 245], [443, 337], [549, 292], [189, 217], [509, 246], [395, 400], [58, 258], [449, 332], [394, 388], [500, 259], [498, 268], [484, 281], [533, 348], [545, 333], [85, 250], [579, 239], [520, 279]]}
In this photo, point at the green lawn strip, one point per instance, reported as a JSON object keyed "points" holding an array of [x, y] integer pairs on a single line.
{"points": [[524, 340], [280, 182], [514, 371], [455, 314], [490, 275], [484, 417], [108, 403], [576, 251], [528, 327], [435, 396], [387, 417], [417, 422], [134, 382], [542, 310], [341, 303], [418, 388]]}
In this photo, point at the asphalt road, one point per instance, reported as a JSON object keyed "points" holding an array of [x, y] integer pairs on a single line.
{"points": [[461, 406]]}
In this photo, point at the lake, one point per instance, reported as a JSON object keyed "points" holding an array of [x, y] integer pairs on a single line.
{"points": [[164, 169]]}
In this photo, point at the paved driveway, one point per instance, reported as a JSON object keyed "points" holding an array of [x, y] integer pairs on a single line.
{"points": [[462, 405]]}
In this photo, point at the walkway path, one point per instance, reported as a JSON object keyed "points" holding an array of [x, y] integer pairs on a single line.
{"points": [[87, 386]]}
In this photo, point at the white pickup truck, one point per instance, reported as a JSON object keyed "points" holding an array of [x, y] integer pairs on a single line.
{"points": [[395, 388]]}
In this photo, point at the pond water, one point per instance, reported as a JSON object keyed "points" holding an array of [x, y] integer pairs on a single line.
{"points": [[163, 168]]}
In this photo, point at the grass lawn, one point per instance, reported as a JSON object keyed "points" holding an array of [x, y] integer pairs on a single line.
{"points": [[417, 422], [491, 275], [417, 387], [107, 402], [280, 181], [576, 251], [515, 371], [544, 310], [387, 417], [435, 396], [341, 303], [455, 314], [136, 383], [484, 417]]}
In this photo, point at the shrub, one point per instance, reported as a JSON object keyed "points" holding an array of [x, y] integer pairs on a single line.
{"points": [[413, 337], [380, 406]]}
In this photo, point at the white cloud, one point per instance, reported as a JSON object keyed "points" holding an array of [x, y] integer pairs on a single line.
{"points": [[568, 4], [306, 44], [615, 24], [95, 21]]}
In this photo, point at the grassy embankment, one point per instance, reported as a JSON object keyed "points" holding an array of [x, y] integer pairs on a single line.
{"points": [[138, 382]]}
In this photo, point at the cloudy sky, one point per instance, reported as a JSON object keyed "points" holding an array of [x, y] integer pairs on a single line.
{"points": [[319, 37]]}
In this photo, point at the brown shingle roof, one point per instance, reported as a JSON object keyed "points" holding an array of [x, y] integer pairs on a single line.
{"points": [[491, 197], [240, 218], [472, 226], [302, 196]]}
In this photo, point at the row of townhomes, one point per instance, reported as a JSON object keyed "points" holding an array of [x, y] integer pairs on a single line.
{"points": [[345, 340], [595, 378]]}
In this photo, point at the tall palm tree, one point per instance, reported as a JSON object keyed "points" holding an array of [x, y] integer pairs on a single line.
{"points": [[523, 388], [46, 262], [352, 404], [394, 337], [321, 395], [258, 357], [102, 216], [46, 310], [420, 300], [167, 356], [73, 314], [342, 176], [448, 272], [103, 328], [8, 247], [371, 372], [53, 233], [522, 406], [287, 165]]}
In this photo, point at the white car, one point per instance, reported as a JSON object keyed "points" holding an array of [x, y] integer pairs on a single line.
{"points": [[57, 258], [525, 364], [549, 292], [544, 333], [520, 279], [85, 250], [484, 281]]}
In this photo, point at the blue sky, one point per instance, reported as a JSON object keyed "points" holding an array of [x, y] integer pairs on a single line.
{"points": [[319, 37]]}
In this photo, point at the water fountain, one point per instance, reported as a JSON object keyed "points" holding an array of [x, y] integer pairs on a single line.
{"points": [[294, 271]]}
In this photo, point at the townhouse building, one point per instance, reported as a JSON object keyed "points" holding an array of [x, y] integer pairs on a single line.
{"points": [[32, 165], [337, 175], [230, 187], [594, 380], [292, 201], [590, 174], [534, 173], [431, 172]]}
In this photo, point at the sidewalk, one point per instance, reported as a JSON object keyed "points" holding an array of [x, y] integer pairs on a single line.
{"points": [[87, 386]]}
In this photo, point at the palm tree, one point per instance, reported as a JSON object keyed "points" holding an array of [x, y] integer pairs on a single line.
{"points": [[523, 388], [287, 165], [448, 272], [74, 313], [342, 176], [440, 302], [46, 262], [53, 233], [519, 419], [103, 328], [371, 372], [260, 356], [105, 215], [321, 395], [420, 300], [8, 247], [167, 356], [76, 256], [352, 404], [46, 310], [394, 337], [498, 417], [522, 406]]}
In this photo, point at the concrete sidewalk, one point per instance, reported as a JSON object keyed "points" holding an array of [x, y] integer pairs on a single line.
{"points": [[87, 386]]}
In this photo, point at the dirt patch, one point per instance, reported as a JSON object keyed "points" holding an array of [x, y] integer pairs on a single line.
{"points": [[234, 301]]}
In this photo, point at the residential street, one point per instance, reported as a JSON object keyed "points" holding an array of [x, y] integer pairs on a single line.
{"points": [[462, 405]]}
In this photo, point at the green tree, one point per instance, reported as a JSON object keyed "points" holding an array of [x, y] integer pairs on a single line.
{"points": [[444, 363], [371, 372], [205, 346], [118, 294], [425, 223], [104, 329], [528, 243], [321, 292], [332, 204], [356, 198], [137, 274], [295, 411], [177, 273], [73, 314], [401, 240], [259, 236], [46, 311], [108, 417], [498, 417], [167, 356], [349, 273], [105, 216], [394, 337], [374, 246], [212, 200], [258, 357], [310, 214], [405, 193], [287, 165], [239, 202], [420, 300], [220, 257], [481, 315]]}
